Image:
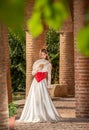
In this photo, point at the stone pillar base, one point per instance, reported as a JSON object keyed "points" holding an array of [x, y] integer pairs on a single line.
{"points": [[58, 91]]}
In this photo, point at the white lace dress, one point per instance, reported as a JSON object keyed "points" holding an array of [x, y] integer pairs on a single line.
{"points": [[39, 106]]}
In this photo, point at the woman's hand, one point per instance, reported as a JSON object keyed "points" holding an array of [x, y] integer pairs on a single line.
{"points": [[41, 66], [49, 90]]}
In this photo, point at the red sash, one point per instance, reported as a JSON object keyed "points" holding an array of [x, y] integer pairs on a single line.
{"points": [[40, 76]]}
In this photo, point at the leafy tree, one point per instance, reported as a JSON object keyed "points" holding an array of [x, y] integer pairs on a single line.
{"points": [[83, 41], [52, 39], [18, 61], [49, 12]]}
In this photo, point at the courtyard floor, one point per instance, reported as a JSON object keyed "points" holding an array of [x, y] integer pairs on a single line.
{"points": [[66, 108]]}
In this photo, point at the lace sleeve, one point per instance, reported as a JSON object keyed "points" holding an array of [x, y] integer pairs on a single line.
{"points": [[34, 69], [34, 72], [49, 75]]}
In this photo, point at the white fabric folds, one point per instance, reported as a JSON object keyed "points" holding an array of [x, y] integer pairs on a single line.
{"points": [[39, 106]]}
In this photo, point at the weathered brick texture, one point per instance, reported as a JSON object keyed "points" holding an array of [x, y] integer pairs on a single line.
{"points": [[67, 61], [28, 11], [4, 117], [39, 43], [6, 42], [29, 60], [81, 65], [33, 46], [67, 25]]}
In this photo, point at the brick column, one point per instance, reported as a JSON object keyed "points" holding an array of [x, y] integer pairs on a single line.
{"points": [[39, 43], [33, 47], [81, 66], [4, 116], [6, 42], [29, 60], [66, 72]]}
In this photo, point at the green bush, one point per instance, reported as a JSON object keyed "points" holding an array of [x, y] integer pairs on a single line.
{"points": [[18, 60], [52, 39], [12, 109]]}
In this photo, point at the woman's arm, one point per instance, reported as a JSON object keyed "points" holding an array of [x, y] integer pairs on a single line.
{"points": [[49, 75], [37, 68]]}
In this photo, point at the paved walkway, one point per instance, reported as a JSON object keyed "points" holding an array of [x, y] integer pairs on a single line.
{"points": [[66, 108]]}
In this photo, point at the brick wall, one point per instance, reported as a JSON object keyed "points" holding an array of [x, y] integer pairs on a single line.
{"points": [[33, 46], [67, 61], [39, 43], [81, 65], [4, 117], [29, 60], [28, 11], [6, 42]]}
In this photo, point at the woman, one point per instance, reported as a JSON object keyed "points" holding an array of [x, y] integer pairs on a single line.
{"points": [[38, 106]]}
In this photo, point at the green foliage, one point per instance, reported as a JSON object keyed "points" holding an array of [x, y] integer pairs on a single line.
{"points": [[46, 11], [52, 39], [18, 61], [12, 12], [83, 36], [12, 109], [83, 41], [51, 13]]}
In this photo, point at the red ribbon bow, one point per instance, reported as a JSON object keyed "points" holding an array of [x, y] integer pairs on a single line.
{"points": [[40, 76]]}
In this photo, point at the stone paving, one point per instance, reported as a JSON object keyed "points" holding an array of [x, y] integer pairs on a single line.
{"points": [[66, 108]]}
